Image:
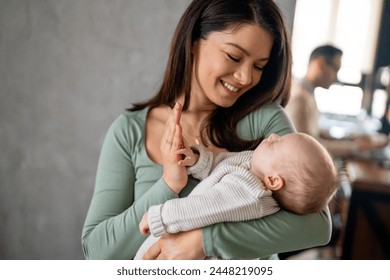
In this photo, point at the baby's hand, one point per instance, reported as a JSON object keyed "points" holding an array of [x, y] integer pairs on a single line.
{"points": [[189, 157], [143, 225]]}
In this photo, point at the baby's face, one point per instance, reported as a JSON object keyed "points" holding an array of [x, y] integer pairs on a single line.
{"points": [[275, 150]]}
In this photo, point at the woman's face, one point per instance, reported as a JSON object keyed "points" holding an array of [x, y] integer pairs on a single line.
{"points": [[229, 63]]}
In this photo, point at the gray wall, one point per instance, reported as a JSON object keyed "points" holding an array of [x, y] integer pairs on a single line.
{"points": [[67, 70], [288, 9]]}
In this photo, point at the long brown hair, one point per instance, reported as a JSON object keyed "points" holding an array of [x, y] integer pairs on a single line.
{"points": [[200, 19]]}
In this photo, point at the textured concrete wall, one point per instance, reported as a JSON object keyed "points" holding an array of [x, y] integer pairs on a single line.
{"points": [[67, 70], [288, 9]]}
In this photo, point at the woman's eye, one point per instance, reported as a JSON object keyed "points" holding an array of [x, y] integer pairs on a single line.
{"points": [[235, 59], [260, 68]]}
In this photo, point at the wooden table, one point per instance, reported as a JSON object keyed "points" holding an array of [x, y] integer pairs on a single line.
{"points": [[367, 230]]}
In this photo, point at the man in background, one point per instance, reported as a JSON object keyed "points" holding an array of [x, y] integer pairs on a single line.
{"points": [[324, 64]]}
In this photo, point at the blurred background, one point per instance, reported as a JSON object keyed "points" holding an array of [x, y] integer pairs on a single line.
{"points": [[69, 68], [361, 30]]}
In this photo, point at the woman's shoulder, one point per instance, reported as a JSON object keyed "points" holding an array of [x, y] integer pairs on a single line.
{"points": [[266, 113], [129, 119], [269, 118], [268, 109], [129, 127]]}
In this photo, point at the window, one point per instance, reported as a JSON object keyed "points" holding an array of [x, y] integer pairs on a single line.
{"points": [[351, 25], [340, 100]]}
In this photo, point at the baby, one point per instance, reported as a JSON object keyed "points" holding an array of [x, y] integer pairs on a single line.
{"points": [[293, 171]]}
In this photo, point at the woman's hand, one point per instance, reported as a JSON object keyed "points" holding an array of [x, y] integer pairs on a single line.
{"points": [[179, 246], [174, 175]]}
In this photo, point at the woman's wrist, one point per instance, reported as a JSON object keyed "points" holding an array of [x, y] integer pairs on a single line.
{"points": [[197, 240], [175, 185]]}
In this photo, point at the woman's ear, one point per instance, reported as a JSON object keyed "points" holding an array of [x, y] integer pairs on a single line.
{"points": [[274, 182], [194, 47]]}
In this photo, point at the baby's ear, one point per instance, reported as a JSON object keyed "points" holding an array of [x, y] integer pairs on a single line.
{"points": [[274, 182]]}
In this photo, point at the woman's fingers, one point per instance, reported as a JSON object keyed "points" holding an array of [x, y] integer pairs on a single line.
{"points": [[177, 113], [153, 252], [171, 125], [180, 246], [177, 140], [170, 131], [175, 131], [185, 143]]}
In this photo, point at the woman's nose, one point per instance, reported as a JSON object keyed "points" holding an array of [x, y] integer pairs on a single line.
{"points": [[243, 75]]}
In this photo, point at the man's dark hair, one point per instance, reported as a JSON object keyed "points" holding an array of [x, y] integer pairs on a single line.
{"points": [[326, 51]]}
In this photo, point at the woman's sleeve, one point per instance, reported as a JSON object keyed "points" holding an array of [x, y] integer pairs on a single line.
{"points": [[111, 227], [271, 118], [276, 233]]}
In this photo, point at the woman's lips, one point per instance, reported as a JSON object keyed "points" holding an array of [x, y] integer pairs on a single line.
{"points": [[230, 87]]}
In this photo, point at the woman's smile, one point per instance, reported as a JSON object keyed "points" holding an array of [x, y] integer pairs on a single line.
{"points": [[230, 87], [229, 63]]}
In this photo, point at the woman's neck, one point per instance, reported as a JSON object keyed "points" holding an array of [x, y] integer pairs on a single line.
{"points": [[193, 118], [196, 113]]}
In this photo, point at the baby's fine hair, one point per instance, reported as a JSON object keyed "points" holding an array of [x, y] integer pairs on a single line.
{"points": [[309, 185]]}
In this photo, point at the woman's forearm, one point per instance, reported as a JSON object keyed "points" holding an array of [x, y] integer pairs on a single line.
{"points": [[111, 227], [111, 230], [280, 232]]}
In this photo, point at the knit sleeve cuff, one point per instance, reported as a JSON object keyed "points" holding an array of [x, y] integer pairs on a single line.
{"points": [[199, 169], [156, 226]]}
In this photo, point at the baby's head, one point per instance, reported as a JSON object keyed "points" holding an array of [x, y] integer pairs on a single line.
{"points": [[299, 171]]}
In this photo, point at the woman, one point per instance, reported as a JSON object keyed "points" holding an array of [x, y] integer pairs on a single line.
{"points": [[229, 66]]}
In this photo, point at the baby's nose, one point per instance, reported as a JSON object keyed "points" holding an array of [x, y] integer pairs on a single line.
{"points": [[273, 137]]}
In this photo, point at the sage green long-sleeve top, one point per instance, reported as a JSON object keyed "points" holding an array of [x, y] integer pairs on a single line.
{"points": [[128, 182]]}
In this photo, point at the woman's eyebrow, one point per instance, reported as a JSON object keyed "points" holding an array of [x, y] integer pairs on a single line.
{"points": [[245, 52]]}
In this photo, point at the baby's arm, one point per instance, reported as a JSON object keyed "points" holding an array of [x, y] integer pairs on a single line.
{"points": [[206, 161], [227, 201]]}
